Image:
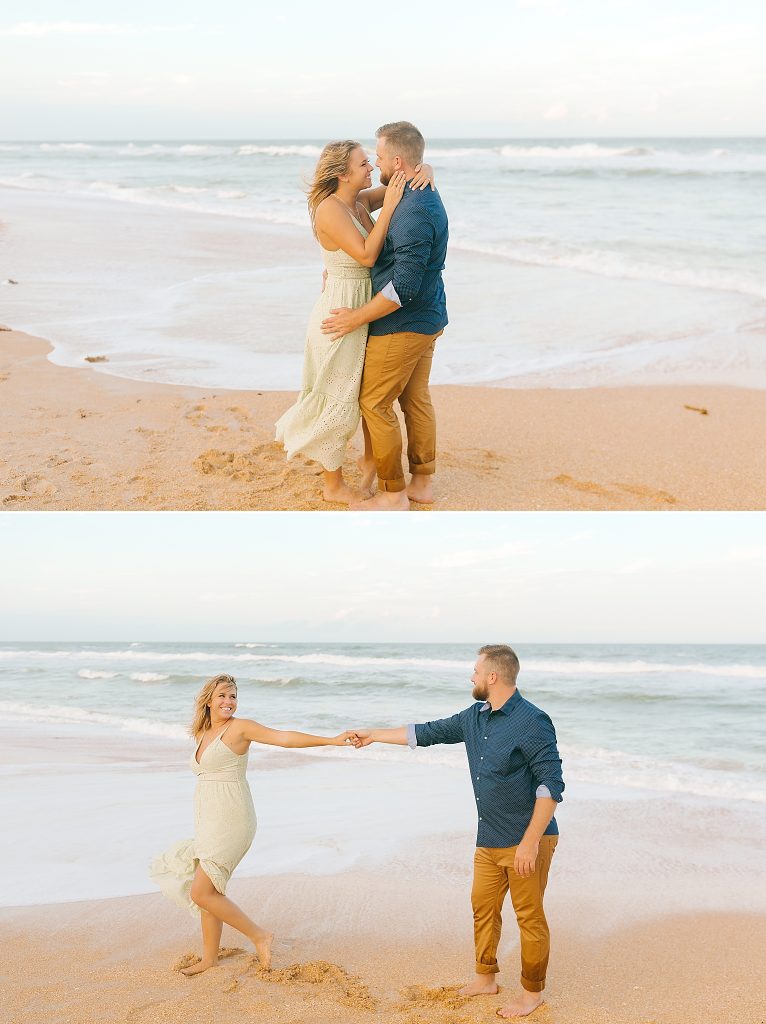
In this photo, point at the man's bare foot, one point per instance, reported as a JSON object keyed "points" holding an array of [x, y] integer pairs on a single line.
{"points": [[342, 495], [263, 949], [420, 488], [482, 985], [369, 473], [203, 965], [384, 501], [525, 1004]]}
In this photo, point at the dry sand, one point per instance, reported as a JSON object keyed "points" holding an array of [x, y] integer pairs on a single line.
{"points": [[81, 439], [353, 949]]}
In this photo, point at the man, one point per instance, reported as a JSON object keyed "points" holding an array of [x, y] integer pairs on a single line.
{"points": [[516, 775], [406, 316]]}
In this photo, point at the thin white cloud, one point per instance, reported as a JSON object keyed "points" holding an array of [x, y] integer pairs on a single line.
{"points": [[463, 559], [31, 29]]}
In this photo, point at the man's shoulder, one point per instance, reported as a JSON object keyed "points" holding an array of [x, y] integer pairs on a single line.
{"points": [[532, 713]]}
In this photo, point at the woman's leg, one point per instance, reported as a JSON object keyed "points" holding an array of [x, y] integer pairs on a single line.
{"points": [[211, 942], [335, 488], [207, 897], [366, 462]]}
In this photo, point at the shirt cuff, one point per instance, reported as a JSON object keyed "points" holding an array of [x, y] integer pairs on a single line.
{"points": [[412, 740], [389, 292], [543, 791]]}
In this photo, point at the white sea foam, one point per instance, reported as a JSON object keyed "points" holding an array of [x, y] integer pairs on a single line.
{"points": [[148, 677], [553, 666], [90, 673], [299, 150], [12, 711]]}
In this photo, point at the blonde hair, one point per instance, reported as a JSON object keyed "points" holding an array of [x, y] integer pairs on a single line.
{"points": [[201, 719], [333, 161]]}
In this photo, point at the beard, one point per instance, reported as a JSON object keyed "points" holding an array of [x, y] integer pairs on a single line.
{"points": [[384, 178], [480, 691]]}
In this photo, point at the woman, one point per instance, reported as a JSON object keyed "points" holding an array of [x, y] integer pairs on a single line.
{"points": [[194, 872], [326, 415]]}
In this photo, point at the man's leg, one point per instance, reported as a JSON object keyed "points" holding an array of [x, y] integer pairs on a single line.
{"points": [[490, 885], [527, 897], [420, 420], [388, 366]]}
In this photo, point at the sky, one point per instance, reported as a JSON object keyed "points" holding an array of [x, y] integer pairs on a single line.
{"points": [[524, 578], [86, 69]]}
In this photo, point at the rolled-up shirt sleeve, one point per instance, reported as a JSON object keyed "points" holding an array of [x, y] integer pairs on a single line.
{"points": [[389, 292], [443, 730], [539, 748], [413, 242]]}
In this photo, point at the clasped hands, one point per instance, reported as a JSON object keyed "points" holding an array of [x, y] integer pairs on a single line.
{"points": [[355, 738]]}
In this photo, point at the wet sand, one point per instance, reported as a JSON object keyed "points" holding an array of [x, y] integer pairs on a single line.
{"points": [[356, 948], [80, 439]]}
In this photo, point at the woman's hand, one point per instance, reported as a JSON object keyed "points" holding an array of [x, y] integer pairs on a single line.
{"points": [[346, 738], [394, 192], [424, 177]]}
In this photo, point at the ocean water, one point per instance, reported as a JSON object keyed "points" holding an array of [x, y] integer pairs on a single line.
{"points": [[572, 262], [684, 719], [95, 775]]}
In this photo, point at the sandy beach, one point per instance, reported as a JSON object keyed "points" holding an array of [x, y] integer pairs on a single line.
{"points": [[357, 948], [656, 911], [79, 439]]}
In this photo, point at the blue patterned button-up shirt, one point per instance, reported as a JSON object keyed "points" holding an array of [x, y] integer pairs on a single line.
{"points": [[412, 260], [511, 752]]}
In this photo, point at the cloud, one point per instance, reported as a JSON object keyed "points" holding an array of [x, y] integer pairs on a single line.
{"points": [[84, 28], [557, 112], [462, 559]]}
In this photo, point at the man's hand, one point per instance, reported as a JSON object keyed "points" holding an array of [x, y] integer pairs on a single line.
{"points": [[364, 736], [526, 855], [341, 322]]}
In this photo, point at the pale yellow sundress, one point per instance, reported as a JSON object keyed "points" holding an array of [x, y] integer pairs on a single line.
{"points": [[225, 825], [326, 415]]}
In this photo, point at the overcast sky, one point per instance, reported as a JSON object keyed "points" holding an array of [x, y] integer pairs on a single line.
{"points": [[575, 577], [85, 69]]}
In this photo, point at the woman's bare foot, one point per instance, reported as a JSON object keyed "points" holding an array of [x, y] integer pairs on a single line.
{"points": [[342, 495], [203, 965], [369, 473], [525, 1004], [485, 985], [263, 949]]}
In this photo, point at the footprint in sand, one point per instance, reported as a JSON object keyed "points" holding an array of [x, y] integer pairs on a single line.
{"points": [[478, 459], [11, 499], [189, 959], [446, 997], [639, 490], [35, 485], [344, 988], [263, 466]]}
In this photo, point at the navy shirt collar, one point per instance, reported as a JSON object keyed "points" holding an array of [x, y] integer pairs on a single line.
{"points": [[504, 709]]}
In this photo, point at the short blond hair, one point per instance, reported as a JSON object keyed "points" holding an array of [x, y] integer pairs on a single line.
{"points": [[403, 139], [503, 660]]}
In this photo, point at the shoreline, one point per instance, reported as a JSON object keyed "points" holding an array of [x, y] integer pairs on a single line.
{"points": [[88, 441]]}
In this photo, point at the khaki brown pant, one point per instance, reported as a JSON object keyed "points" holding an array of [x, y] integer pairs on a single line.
{"points": [[398, 366], [493, 877]]}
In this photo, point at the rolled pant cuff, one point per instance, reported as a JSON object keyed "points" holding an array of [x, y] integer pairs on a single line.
{"points": [[422, 468], [391, 485], [487, 968], [532, 986]]}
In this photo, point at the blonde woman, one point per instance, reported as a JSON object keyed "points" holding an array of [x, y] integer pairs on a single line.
{"points": [[326, 415], [194, 873]]}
